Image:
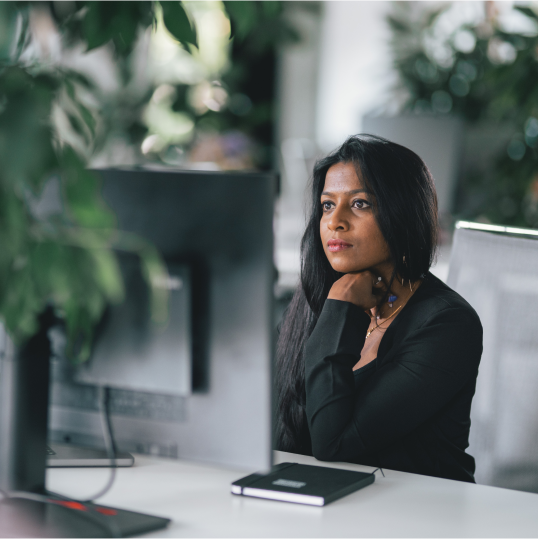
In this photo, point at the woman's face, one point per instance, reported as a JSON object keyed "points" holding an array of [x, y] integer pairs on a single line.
{"points": [[349, 231]]}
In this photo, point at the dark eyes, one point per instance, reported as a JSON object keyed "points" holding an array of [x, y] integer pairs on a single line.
{"points": [[359, 203]]}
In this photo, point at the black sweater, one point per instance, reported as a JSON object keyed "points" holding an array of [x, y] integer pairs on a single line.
{"points": [[408, 409]]}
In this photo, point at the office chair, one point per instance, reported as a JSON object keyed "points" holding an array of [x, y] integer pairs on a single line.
{"points": [[496, 270]]}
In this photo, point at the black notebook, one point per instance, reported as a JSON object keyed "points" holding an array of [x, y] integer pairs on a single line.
{"points": [[300, 483]]}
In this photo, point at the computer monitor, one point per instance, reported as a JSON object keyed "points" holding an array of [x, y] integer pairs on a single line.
{"points": [[200, 389]]}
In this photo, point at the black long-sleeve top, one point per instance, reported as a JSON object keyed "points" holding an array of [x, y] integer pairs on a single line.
{"points": [[409, 409]]}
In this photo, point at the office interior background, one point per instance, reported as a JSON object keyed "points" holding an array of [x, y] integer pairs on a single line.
{"points": [[270, 86], [452, 80]]}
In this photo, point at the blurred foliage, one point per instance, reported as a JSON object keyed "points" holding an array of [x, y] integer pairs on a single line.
{"points": [[482, 73], [45, 260], [239, 101], [236, 100], [63, 256]]}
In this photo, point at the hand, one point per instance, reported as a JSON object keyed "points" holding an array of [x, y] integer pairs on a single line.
{"points": [[362, 289]]}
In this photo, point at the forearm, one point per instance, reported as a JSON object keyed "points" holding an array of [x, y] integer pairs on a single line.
{"points": [[330, 354]]}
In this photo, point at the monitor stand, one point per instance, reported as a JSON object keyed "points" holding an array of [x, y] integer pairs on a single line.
{"points": [[72, 456], [27, 511], [54, 517]]}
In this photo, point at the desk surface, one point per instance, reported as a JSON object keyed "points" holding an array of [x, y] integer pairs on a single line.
{"points": [[197, 498]]}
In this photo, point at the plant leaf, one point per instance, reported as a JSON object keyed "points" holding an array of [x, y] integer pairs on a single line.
{"points": [[271, 9], [243, 17], [528, 12], [178, 24]]}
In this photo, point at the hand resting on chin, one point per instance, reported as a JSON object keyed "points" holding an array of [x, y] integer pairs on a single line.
{"points": [[361, 288]]}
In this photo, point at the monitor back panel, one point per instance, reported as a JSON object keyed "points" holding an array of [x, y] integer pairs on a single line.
{"points": [[214, 231]]}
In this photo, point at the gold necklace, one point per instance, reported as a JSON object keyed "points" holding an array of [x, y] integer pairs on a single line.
{"points": [[379, 325]]}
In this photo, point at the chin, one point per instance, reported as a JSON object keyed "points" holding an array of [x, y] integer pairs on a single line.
{"points": [[341, 265]]}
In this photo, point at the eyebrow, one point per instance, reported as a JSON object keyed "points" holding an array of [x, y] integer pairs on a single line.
{"points": [[355, 191]]}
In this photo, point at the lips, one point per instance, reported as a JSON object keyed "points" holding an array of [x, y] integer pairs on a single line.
{"points": [[335, 246]]}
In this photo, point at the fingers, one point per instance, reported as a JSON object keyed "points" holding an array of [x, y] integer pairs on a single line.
{"points": [[378, 282], [363, 288], [380, 285], [365, 279], [356, 288]]}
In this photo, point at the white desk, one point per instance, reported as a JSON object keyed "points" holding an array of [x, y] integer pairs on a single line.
{"points": [[197, 498]]}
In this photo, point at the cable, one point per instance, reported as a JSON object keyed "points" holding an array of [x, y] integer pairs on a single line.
{"points": [[110, 443], [110, 446], [111, 450], [380, 469]]}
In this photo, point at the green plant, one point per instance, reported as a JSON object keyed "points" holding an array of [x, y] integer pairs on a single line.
{"points": [[163, 119], [481, 72], [64, 257], [259, 32]]}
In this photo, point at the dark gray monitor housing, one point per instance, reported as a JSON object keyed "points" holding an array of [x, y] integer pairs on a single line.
{"points": [[200, 389]]}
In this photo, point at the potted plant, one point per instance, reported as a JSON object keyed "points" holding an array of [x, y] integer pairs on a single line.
{"points": [[58, 262], [480, 68]]}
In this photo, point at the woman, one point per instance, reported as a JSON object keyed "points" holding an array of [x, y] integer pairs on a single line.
{"points": [[377, 359]]}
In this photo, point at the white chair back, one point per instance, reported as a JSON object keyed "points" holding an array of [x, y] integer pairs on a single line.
{"points": [[498, 276]]}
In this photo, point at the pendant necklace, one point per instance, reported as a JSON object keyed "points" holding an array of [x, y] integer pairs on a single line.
{"points": [[378, 325], [388, 318]]}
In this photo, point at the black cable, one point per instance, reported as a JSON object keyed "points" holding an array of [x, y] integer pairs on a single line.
{"points": [[380, 469], [110, 443], [110, 446], [111, 450]]}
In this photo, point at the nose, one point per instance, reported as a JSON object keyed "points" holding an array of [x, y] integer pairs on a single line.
{"points": [[338, 220]]}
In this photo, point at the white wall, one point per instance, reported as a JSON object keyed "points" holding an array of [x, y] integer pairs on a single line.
{"points": [[340, 71], [297, 97], [355, 73]]}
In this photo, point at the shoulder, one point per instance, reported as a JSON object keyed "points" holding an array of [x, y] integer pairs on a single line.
{"points": [[435, 302], [438, 328]]}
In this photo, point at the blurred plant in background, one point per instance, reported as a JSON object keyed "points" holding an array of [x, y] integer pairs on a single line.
{"points": [[479, 61], [218, 108], [203, 101], [116, 83]]}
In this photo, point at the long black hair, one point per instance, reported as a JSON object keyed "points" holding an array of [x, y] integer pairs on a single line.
{"points": [[406, 212]]}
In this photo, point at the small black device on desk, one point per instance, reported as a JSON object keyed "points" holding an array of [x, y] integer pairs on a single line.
{"points": [[301, 483]]}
